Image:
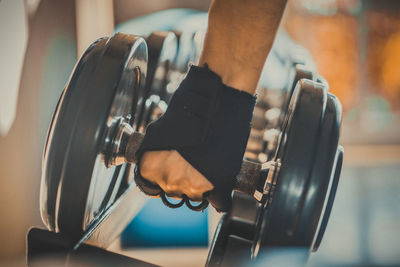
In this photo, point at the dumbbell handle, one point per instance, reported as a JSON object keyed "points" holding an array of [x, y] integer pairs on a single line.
{"points": [[246, 180]]}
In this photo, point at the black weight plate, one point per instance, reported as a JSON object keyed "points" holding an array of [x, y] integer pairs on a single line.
{"points": [[104, 87], [51, 167], [239, 222], [296, 152], [315, 191]]}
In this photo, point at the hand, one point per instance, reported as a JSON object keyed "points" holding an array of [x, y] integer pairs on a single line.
{"points": [[170, 171]]}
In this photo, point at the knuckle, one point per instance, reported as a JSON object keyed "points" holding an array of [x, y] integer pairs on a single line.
{"points": [[197, 191], [193, 195], [170, 188]]}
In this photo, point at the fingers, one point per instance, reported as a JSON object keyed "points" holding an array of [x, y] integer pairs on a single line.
{"points": [[174, 175]]}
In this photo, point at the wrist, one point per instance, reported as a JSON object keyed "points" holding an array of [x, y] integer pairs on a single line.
{"points": [[230, 60]]}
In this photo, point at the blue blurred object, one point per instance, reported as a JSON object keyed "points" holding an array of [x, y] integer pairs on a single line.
{"points": [[284, 256], [158, 226]]}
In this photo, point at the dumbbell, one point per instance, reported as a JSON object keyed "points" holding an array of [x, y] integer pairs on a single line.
{"points": [[233, 236], [293, 62], [267, 145], [268, 118], [297, 208], [261, 147], [92, 139]]}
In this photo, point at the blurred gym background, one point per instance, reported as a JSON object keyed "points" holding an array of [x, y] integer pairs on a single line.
{"points": [[355, 45]]}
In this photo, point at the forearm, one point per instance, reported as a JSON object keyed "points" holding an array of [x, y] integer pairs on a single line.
{"points": [[239, 37]]}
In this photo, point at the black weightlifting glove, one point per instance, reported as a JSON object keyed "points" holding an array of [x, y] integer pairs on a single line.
{"points": [[208, 123]]}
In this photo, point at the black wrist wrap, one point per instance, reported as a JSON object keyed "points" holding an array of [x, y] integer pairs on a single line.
{"points": [[208, 123]]}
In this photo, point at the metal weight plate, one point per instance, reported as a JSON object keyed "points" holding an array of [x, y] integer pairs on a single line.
{"points": [[162, 47], [186, 51], [77, 185]]}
